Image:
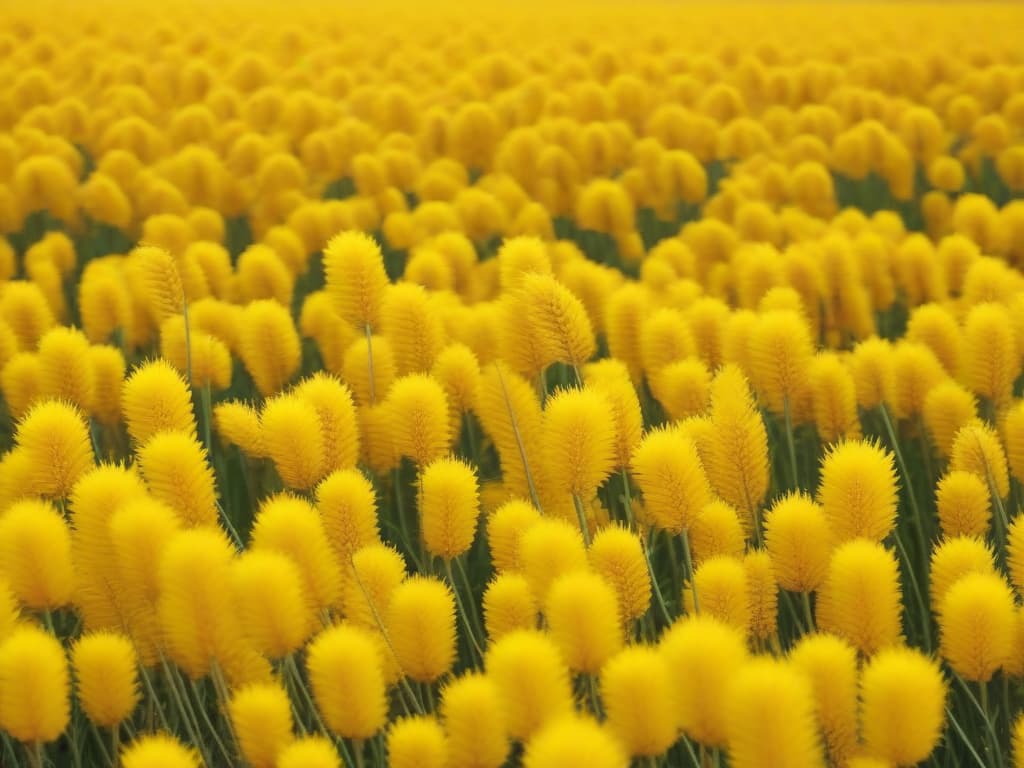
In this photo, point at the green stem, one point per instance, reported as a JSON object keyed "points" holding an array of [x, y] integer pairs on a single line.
{"points": [[787, 417], [35, 754], [922, 605], [687, 557], [462, 610], [477, 625], [627, 499], [595, 699], [967, 742], [358, 747], [115, 745], [581, 515], [808, 613], [519, 439], [185, 711]]}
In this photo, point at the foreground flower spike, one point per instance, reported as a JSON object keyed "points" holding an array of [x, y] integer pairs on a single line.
{"points": [[106, 677], [347, 680], [964, 504], [474, 720], [354, 269], [703, 656], [583, 618], [35, 702], [338, 424], [903, 699], [155, 398], [66, 369], [858, 490], [549, 548], [158, 751], [831, 665], [421, 628], [770, 717], [636, 691], [977, 449], [954, 558], [532, 678], [558, 321], [417, 742], [670, 474], [508, 604], [799, 541], [269, 345], [162, 282], [418, 418], [978, 623], [860, 599], [36, 555], [780, 353], [176, 471], [448, 506], [274, 609], [348, 508], [505, 528], [261, 715], [291, 434], [618, 556], [55, 440], [309, 752], [574, 742]]}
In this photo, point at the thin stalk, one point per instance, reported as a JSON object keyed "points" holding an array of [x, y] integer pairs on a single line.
{"points": [[907, 483], [358, 747], [519, 440], [808, 613], [922, 605], [101, 743], [983, 691], [595, 699], [469, 596], [787, 417], [462, 610], [627, 499], [369, 363], [581, 515], [209, 722], [35, 754], [115, 745], [687, 557], [154, 702], [186, 711], [963, 736]]}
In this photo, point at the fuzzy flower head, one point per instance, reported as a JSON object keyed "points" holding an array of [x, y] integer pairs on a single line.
{"points": [[421, 628], [578, 441], [449, 506], [262, 718], [35, 703], [858, 490], [670, 474], [106, 677], [54, 438], [474, 719]]}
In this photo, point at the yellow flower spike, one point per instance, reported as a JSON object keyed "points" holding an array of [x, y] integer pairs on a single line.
{"points": [[155, 398], [625, 310], [532, 679], [356, 371], [417, 741], [558, 320], [66, 371], [291, 526], [780, 353], [830, 664], [977, 449], [683, 388], [916, 371], [458, 370], [992, 359], [717, 531], [54, 438], [937, 328], [637, 693], [703, 656], [108, 368], [412, 324], [35, 555], [799, 541], [35, 703], [164, 294], [903, 699], [764, 594], [948, 406], [261, 714], [376, 570], [20, 383], [174, 466], [737, 447], [356, 281], [418, 414], [473, 716], [617, 555], [291, 433], [670, 474], [582, 613], [707, 318], [770, 708], [860, 599], [238, 424], [262, 274], [511, 416], [274, 610], [547, 549], [574, 741], [309, 752], [665, 338], [964, 504], [833, 399], [578, 442], [957, 556], [268, 345], [208, 356], [505, 528], [106, 677], [348, 508], [197, 615], [508, 604], [158, 751], [347, 681], [858, 490], [10, 613], [421, 627], [873, 372], [720, 584], [449, 505], [977, 622], [24, 308]]}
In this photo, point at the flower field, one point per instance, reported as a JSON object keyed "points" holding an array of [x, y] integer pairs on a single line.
{"points": [[546, 385]]}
